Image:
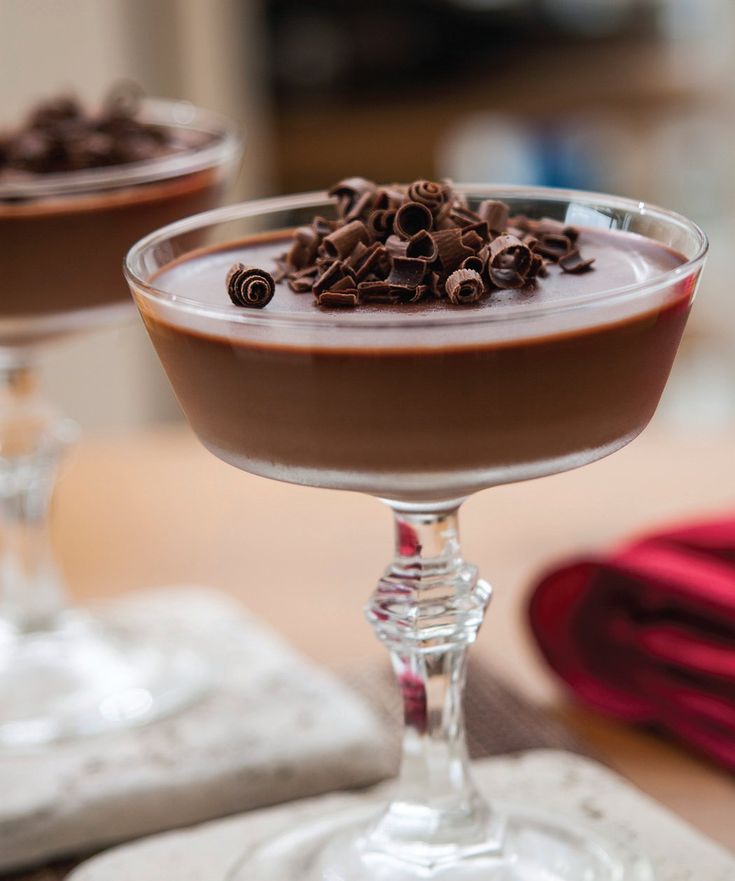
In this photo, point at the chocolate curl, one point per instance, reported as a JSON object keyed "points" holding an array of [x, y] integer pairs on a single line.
{"points": [[302, 281], [407, 271], [509, 251], [537, 268], [303, 250], [509, 262], [476, 263], [450, 248], [470, 239], [388, 198], [341, 243], [481, 229], [328, 278], [495, 213], [249, 286], [380, 223], [338, 299], [348, 191], [436, 285], [412, 217], [463, 216], [554, 246], [574, 263], [361, 206], [377, 292], [322, 227], [422, 246], [375, 260], [429, 193], [396, 246], [464, 286]]}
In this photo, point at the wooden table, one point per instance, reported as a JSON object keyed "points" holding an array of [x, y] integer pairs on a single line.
{"points": [[157, 509]]}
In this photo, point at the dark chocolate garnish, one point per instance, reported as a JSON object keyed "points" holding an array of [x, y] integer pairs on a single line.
{"points": [[411, 218], [574, 263], [341, 243], [423, 246], [429, 193], [250, 286], [464, 286], [401, 244], [60, 135], [407, 271], [341, 299]]}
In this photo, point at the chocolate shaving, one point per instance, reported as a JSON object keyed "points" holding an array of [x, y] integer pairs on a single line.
{"points": [[407, 271], [494, 213], [341, 243], [411, 218], [553, 245], [476, 262], [60, 135], [422, 246], [574, 263], [341, 299], [450, 248], [464, 286], [429, 193], [470, 239], [333, 273], [401, 244], [389, 198], [348, 192], [250, 286], [380, 223]]}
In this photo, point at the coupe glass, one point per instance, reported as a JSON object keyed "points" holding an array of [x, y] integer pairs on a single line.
{"points": [[64, 672], [359, 401]]}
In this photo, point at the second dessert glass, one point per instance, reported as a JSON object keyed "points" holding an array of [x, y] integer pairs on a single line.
{"points": [[422, 410], [64, 672]]}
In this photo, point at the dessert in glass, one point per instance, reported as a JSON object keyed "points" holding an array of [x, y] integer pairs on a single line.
{"points": [[76, 190], [537, 336]]}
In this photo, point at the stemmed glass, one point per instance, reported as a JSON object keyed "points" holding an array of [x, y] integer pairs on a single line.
{"points": [[64, 672], [421, 410]]}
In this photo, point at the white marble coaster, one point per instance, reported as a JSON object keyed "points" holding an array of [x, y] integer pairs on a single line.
{"points": [[275, 728], [559, 781]]}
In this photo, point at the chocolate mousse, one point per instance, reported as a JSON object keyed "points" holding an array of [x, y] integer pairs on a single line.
{"points": [[68, 212], [423, 397]]}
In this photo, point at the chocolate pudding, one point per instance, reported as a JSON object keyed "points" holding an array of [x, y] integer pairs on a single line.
{"points": [[64, 253], [427, 400], [76, 190]]}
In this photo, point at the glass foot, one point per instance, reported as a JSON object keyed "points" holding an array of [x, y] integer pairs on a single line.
{"points": [[86, 677], [530, 847]]}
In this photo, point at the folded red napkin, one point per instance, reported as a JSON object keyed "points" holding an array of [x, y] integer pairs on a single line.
{"points": [[648, 634]]}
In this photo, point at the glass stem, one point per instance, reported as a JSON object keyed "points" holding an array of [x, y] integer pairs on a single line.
{"points": [[427, 610], [32, 440]]}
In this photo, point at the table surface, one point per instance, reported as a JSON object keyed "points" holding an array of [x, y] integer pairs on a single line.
{"points": [[155, 508]]}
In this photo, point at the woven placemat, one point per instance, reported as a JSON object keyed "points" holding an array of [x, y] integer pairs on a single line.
{"points": [[498, 721]]}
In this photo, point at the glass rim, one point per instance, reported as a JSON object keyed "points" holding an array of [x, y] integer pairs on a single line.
{"points": [[172, 113], [499, 313]]}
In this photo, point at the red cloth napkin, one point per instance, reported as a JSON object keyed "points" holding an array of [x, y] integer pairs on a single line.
{"points": [[648, 634]]}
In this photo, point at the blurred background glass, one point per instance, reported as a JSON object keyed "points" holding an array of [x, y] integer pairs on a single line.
{"points": [[628, 96]]}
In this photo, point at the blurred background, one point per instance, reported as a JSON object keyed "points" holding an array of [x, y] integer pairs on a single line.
{"points": [[634, 97]]}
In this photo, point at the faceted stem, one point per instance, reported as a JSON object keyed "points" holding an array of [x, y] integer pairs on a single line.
{"points": [[32, 440], [427, 609]]}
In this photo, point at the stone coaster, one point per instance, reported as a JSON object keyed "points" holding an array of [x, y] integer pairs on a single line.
{"points": [[274, 728], [551, 780]]}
